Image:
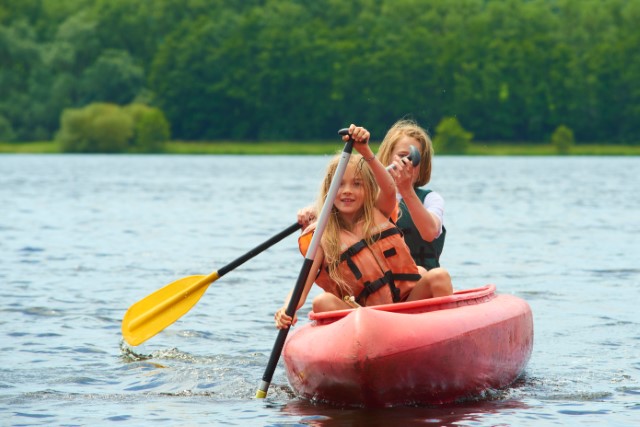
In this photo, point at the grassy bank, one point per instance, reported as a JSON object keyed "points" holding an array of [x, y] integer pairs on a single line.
{"points": [[255, 148], [284, 148], [41, 147], [480, 149]]}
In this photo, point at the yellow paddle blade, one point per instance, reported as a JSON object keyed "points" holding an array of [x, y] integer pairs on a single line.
{"points": [[155, 312]]}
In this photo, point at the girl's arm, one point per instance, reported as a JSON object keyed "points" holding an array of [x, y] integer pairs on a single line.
{"points": [[427, 223], [284, 321], [386, 201]]}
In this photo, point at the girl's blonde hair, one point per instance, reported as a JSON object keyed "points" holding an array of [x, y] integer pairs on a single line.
{"points": [[411, 129], [331, 243]]}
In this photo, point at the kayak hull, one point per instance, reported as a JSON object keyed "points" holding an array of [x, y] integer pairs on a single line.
{"points": [[422, 352]]}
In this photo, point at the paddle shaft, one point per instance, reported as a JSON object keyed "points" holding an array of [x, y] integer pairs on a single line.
{"points": [[323, 218], [258, 249]]}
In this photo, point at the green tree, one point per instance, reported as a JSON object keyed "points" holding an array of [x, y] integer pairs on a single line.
{"points": [[191, 79], [562, 139], [151, 128], [113, 77], [21, 57], [451, 138], [6, 130], [268, 69], [96, 128]]}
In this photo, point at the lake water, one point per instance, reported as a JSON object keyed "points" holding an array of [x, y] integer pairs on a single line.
{"points": [[84, 237]]}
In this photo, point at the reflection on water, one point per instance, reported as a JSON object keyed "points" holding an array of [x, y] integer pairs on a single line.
{"points": [[442, 416], [84, 237]]}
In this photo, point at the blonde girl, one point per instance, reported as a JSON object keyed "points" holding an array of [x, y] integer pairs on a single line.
{"points": [[361, 252]]}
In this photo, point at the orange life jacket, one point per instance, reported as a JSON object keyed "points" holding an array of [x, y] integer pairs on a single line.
{"points": [[379, 274]]}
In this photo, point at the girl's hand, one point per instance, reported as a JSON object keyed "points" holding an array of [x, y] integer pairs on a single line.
{"points": [[283, 321], [306, 216], [402, 174], [361, 137], [359, 134]]}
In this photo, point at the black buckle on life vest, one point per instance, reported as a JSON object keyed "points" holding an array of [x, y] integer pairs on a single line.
{"points": [[371, 287]]}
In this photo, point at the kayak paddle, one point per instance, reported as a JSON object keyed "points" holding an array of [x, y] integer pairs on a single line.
{"points": [[298, 289], [160, 309]]}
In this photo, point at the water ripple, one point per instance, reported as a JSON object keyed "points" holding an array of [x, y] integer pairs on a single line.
{"points": [[87, 236]]}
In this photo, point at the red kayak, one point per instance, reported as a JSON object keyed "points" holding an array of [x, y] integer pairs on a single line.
{"points": [[421, 352]]}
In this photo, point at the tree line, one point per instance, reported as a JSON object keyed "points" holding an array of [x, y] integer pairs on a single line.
{"points": [[507, 70]]}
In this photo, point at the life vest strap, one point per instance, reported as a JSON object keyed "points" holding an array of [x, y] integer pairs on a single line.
{"points": [[408, 277], [425, 251], [388, 279], [354, 268], [422, 255], [371, 287], [389, 252], [358, 246]]}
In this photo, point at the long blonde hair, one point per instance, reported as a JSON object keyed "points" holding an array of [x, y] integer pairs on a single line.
{"points": [[331, 242], [411, 129]]}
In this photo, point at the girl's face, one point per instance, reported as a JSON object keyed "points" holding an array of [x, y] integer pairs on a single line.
{"points": [[402, 150], [350, 198]]}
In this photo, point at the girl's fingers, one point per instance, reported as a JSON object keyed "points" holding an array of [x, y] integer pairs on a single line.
{"points": [[305, 217], [403, 165], [358, 133], [282, 320], [401, 172]]}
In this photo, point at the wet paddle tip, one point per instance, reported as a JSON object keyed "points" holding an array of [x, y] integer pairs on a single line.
{"points": [[135, 339], [262, 390]]}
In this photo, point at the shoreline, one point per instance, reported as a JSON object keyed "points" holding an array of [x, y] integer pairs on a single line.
{"points": [[330, 147]]}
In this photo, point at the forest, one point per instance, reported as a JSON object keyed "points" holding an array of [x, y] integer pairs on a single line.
{"points": [[298, 70]]}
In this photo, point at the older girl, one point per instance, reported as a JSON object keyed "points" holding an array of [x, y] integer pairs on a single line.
{"points": [[421, 211]]}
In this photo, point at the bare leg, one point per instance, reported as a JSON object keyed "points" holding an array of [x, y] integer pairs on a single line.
{"points": [[434, 283], [440, 282], [328, 302]]}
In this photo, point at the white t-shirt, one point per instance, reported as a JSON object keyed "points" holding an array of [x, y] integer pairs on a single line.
{"points": [[434, 203]]}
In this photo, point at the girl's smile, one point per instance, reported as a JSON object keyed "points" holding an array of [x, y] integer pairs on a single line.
{"points": [[350, 198]]}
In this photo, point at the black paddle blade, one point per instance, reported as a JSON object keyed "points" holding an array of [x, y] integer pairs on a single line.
{"points": [[414, 156]]}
